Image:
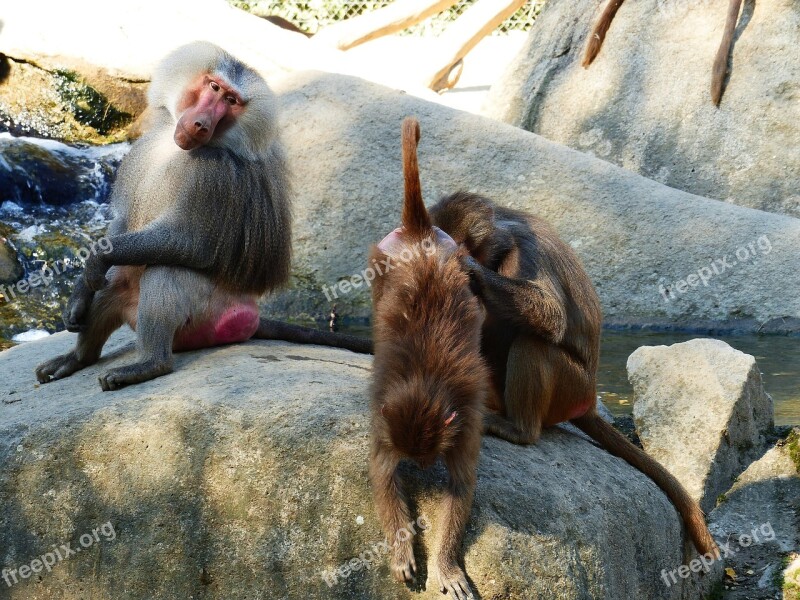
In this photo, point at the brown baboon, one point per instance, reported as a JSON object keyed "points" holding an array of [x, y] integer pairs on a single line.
{"points": [[541, 335], [429, 382]]}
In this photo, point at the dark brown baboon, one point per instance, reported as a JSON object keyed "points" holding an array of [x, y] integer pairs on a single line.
{"points": [[541, 335], [202, 225], [720, 68], [429, 382]]}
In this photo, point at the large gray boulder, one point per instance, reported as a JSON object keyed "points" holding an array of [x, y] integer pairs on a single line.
{"points": [[244, 475], [656, 255], [701, 411], [645, 103]]}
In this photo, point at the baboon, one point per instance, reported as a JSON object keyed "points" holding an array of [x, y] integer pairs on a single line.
{"points": [[202, 225], [541, 336], [429, 381]]}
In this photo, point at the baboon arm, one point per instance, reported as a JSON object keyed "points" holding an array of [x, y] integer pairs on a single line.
{"points": [[523, 303], [158, 244], [390, 497], [461, 466]]}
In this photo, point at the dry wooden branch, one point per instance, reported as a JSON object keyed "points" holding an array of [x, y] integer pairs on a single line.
{"points": [[397, 16], [463, 35]]}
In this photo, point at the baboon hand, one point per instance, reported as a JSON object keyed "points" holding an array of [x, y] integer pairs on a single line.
{"points": [[78, 308], [95, 274], [402, 563], [453, 582], [474, 269]]}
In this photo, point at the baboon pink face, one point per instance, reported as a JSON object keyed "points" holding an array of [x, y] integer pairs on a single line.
{"points": [[208, 106]]}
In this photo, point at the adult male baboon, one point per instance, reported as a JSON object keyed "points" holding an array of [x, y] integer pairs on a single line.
{"points": [[202, 225]]}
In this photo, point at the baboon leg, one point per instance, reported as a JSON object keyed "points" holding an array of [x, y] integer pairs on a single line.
{"points": [[393, 511], [528, 392], [544, 386], [106, 314], [169, 298], [462, 469]]}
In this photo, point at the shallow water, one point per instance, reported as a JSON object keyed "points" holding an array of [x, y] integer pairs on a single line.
{"points": [[778, 357]]}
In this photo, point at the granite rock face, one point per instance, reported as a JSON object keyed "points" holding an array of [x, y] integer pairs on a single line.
{"points": [[655, 254], [644, 104]]}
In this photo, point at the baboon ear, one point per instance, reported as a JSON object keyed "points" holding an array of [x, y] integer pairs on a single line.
{"points": [[449, 419], [383, 414]]}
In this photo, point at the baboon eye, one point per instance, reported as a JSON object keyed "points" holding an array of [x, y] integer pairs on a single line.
{"points": [[214, 86], [230, 100]]}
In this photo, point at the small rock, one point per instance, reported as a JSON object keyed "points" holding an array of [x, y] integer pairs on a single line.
{"points": [[10, 268], [758, 522], [701, 411]]}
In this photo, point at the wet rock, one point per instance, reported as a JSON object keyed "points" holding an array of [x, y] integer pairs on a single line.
{"points": [[40, 172], [63, 103], [10, 267]]}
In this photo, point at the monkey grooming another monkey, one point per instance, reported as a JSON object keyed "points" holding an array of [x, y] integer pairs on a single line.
{"points": [[202, 225], [541, 336], [720, 68], [429, 381]]}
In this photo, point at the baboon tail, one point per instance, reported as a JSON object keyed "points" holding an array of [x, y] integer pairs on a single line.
{"points": [[618, 445], [415, 216], [287, 332], [721, 61], [598, 33]]}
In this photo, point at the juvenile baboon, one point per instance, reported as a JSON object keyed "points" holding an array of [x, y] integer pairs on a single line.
{"points": [[429, 381]]}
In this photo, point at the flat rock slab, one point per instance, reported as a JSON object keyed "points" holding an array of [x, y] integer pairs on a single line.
{"points": [[700, 410], [244, 475]]}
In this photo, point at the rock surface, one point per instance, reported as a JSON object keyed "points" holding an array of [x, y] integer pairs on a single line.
{"points": [[758, 518], [10, 267], [701, 411], [644, 104], [69, 100], [244, 475], [640, 241]]}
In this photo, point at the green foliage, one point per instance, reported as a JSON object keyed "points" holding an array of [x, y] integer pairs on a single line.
{"points": [[793, 445], [716, 592]]}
